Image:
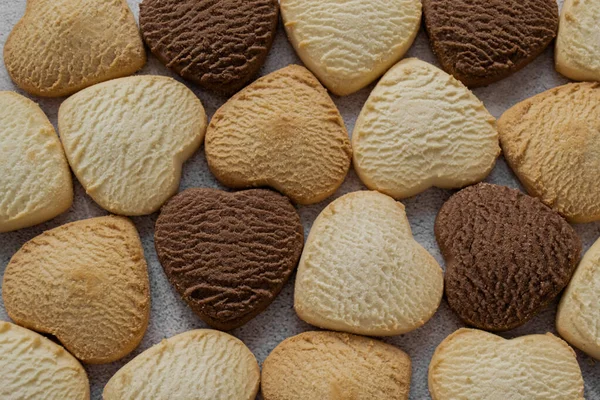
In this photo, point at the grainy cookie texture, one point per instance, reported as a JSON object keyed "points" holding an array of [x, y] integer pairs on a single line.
{"points": [[483, 41], [219, 44], [507, 255], [228, 254]]}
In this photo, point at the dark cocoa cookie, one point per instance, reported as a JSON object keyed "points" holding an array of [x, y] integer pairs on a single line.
{"points": [[483, 41], [219, 44], [507, 255], [228, 254]]}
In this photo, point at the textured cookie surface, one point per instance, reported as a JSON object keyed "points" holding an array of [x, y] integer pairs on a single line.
{"points": [[220, 44], [420, 128], [476, 365], [127, 139], [331, 365], [35, 181], [362, 272], [349, 44], [577, 45], [483, 41], [282, 131], [228, 254], [578, 315], [34, 367], [62, 46], [507, 255], [201, 364], [552, 142], [85, 283]]}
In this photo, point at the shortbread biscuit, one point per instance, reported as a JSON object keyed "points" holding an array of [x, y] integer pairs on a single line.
{"points": [[228, 254], [362, 272], [577, 51], [219, 44], [282, 131], [349, 44], [62, 46], [85, 283], [578, 315], [200, 364], [552, 142], [34, 367], [126, 140], [507, 255], [420, 128], [35, 180], [331, 365], [484, 41], [477, 365]]}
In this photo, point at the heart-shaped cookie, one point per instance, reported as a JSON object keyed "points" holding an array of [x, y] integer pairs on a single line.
{"points": [[473, 364], [282, 131], [86, 283], [35, 181], [349, 44], [420, 128], [362, 271], [62, 46], [126, 140], [507, 255], [228, 254]]}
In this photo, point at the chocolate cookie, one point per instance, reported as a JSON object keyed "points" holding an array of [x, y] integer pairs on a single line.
{"points": [[228, 254], [507, 255], [219, 44], [483, 41]]}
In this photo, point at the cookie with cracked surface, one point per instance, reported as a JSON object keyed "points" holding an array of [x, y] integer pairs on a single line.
{"points": [[476, 365], [349, 44], [62, 46], [578, 315], [577, 52], [362, 272], [127, 139], [552, 142], [332, 365], [219, 44], [419, 128], [35, 180], [228, 254], [484, 41], [34, 367], [86, 283], [282, 131], [199, 364], [507, 255]]}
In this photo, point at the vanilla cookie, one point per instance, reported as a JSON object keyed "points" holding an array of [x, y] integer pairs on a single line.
{"points": [[282, 131], [62, 46], [552, 142], [420, 128], [200, 364], [35, 180], [577, 52], [362, 271], [349, 44], [126, 140], [477, 365], [578, 315], [34, 367], [85, 283], [331, 365]]}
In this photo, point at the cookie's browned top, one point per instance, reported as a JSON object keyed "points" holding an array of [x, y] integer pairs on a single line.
{"points": [[482, 41], [220, 44], [507, 255], [228, 254]]}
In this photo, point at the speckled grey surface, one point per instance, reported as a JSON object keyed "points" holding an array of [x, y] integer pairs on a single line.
{"points": [[170, 315]]}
